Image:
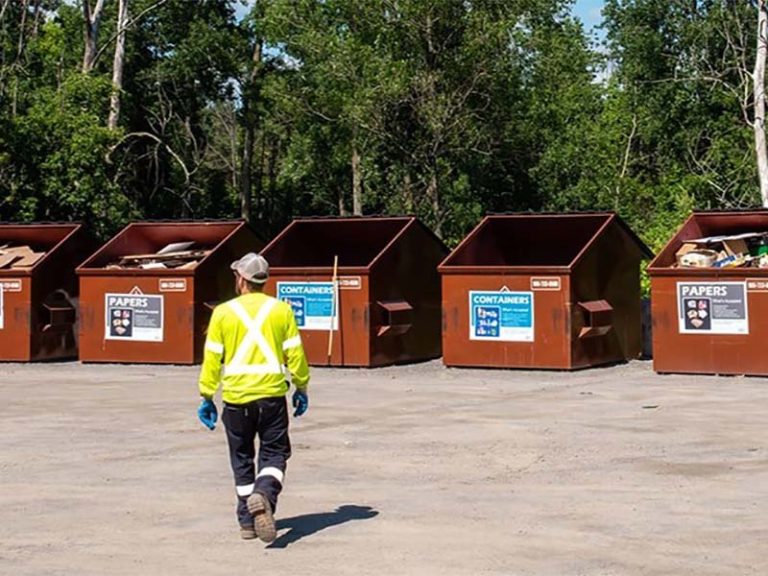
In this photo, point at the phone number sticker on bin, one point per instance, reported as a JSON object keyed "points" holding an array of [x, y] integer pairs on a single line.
{"points": [[757, 285], [173, 285], [501, 316], [350, 283], [11, 285], [134, 317], [712, 308], [547, 283], [313, 304]]}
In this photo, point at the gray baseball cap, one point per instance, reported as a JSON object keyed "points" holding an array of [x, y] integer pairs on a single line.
{"points": [[252, 267]]}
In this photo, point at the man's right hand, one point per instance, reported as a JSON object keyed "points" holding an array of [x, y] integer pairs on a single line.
{"points": [[207, 413]]}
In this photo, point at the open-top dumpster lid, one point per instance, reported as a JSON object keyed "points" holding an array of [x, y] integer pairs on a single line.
{"points": [[313, 243], [159, 248], [539, 243], [41, 241]]}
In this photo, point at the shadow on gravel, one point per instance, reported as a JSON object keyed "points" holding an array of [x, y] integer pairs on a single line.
{"points": [[302, 526]]}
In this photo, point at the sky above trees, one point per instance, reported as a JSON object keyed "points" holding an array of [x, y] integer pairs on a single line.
{"points": [[588, 11]]}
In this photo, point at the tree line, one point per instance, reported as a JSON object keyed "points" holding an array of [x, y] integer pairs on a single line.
{"points": [[113, 110]]}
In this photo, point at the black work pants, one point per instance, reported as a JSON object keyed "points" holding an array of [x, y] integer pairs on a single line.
{"points": [[268, 419]]}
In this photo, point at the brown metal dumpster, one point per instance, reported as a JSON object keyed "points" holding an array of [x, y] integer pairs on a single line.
{"points": [[543, 291], [385, 305], [39, 291], [710, 319], [147, 295]]}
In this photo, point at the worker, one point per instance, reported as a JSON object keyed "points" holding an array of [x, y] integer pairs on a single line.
{"points": [[250, 339]]}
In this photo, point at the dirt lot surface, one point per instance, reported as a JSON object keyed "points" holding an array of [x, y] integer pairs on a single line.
{"points": [[104, 470]]}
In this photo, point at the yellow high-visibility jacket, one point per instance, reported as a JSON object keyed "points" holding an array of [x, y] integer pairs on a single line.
{"points": [[249, 341]]}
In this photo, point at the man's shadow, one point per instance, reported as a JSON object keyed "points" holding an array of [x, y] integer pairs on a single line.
{"points": [[308, 524]]}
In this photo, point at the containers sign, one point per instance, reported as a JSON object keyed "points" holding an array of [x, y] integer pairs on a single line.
{"points": [[313, 304], [505, 316]]}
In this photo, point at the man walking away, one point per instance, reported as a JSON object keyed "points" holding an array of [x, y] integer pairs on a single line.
{"points": [[250, 339]]}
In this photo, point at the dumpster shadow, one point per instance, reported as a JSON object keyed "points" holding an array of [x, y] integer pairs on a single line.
{"points": [[302, 526]]}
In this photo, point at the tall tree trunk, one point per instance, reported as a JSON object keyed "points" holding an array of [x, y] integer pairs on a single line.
{"points": [[118, 65], [434, 197], [408, 199], [258, 194], [19, 53], [251, 118], [357, 179], [245, 175], [758, 78], [272, 178], [342, 205], [22, 31], [38, 12], [91, 22]]}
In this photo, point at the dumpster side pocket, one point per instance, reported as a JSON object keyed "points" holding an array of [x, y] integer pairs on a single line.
{"points": [[396, 317], [60, 313], [598, 318]]}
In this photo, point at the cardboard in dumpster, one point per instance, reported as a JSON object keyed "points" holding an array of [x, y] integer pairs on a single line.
{"points": [[15, 257], [735, 246]]}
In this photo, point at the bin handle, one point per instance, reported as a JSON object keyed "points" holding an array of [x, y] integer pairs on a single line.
{"points": [[598, 318]]}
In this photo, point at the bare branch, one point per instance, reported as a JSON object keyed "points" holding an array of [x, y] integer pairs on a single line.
{"points": [[187, 173], [3, 8]]}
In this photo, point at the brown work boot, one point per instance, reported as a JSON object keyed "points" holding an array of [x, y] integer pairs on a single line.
{"points": [[264, 522], [247, 532]]}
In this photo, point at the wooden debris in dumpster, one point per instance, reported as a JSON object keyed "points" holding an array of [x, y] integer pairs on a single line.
{"points": [[179, 255], [749, 250], [16, 257]]}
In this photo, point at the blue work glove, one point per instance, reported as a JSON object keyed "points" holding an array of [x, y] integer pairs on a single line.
{"points": [[300, 402], [207, 413]]}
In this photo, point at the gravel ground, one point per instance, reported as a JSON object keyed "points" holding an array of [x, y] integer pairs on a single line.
{"points": [[407, 470]]}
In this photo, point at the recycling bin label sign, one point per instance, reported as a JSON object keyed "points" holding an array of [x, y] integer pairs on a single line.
{"points": [[501, 316], [137, 317], [314, 304], [712, 308]]}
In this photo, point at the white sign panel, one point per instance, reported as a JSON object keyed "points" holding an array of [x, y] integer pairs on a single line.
{"points": [[135, 317], [712, 308]]}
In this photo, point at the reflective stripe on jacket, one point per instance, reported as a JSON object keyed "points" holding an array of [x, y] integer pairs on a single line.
{"points": [[249, 341]]}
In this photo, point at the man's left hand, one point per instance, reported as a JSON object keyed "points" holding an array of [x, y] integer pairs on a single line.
{"points": [[300, 402]]}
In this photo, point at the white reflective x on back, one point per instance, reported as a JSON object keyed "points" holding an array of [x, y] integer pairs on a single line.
{"points": [[239, 365]]}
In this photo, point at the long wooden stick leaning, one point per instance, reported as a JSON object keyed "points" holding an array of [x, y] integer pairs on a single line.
{"points": [[334, 305]]}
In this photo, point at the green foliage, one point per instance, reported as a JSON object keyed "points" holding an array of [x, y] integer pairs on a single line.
{"points": [[446, 109], [63, 174]]}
